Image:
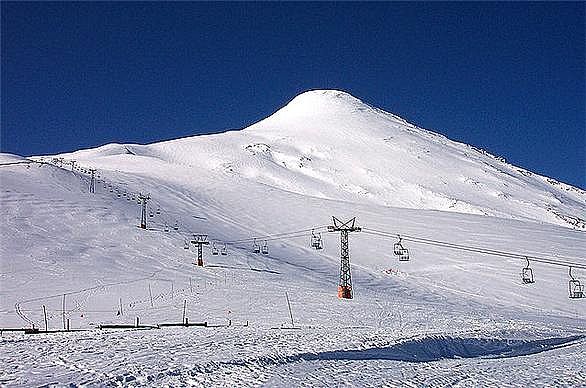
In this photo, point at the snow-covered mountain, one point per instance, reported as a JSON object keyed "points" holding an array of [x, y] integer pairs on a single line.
{"points": [[447, 316], [329, 144]]}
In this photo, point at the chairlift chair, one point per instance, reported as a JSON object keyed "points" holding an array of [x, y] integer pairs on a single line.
{"points": [[316, 241], [527, 274], [166, 227], [401, 252], [151, 214], [224, 250], [575, 288], [176, 226], [319, 243], [158, 210], [265, 248], [255, 247], [215, 250]]}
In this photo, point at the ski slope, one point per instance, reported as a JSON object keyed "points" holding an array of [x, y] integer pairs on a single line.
{"points": [[445, 317]]}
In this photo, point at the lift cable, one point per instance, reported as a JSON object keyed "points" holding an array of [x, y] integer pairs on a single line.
{"points": [[468, 248], [278, 236]]}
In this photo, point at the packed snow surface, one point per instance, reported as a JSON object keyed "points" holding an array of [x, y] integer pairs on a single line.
{"points": [[445, 317]]}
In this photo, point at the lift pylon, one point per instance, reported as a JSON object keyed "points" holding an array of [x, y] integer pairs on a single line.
{"points": [[143, 214], [93, 180], [200, 240], [345, 284]]}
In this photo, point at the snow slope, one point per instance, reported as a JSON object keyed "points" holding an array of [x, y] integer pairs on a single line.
{"points": [[331, 145], [443, 318]]}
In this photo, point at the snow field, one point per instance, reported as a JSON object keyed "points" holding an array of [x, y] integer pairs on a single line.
{"points": [[446, 317]]}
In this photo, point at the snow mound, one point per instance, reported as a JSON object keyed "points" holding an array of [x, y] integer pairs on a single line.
{"points": [[434, 348], [6, 158], [111, 149]]}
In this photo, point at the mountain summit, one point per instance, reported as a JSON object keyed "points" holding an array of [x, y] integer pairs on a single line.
{"points": [[315, 102], [327, 111]]}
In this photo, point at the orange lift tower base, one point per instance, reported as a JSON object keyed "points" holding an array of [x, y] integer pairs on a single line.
{"points": [[345, 285]]}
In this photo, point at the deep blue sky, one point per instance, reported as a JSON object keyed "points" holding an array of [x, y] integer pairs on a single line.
{"points": [[507, 77]]}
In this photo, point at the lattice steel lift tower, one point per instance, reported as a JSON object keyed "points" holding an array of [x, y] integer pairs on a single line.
{"points": [[345, 285], [200, 240], [143, 204], [93, 180]]}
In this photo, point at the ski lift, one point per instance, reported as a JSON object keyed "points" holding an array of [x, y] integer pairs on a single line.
{"points": [[576, 289], [255, 247], [215, 250], [176, 226], [265, 248], [224, 250], [316, 241], [527, 274], [401, 252]]}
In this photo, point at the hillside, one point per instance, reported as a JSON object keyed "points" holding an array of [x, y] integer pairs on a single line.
{"points": [[317, 146]]}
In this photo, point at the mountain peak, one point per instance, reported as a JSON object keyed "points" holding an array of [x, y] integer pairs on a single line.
{"points": [[330, 112], [316, 109], [319, 100], [325, 95]]}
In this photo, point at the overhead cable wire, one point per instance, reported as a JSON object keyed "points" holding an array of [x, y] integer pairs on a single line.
{"points": [[468, 248], [277, 236]]}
